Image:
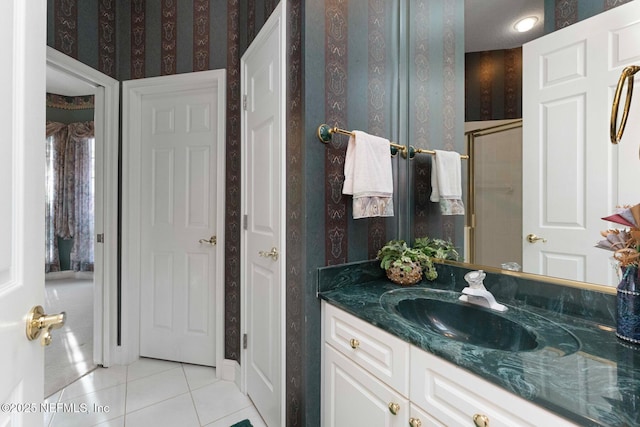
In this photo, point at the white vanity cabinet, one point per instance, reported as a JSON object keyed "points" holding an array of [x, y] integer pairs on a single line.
{"points": [[373, 378]]}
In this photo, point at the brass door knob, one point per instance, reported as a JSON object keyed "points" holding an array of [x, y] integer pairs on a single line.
{"points": [[38, 322], [394, 408], [415, 422], [273, 254], [481, 420], [354, 343], [532, 238], [212, 241]]}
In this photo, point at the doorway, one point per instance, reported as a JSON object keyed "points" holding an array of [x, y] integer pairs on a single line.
{"points": [[82, 279], [173, 230], [69, 229]]}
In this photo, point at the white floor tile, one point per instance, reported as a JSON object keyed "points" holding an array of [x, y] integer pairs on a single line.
{"points": [[177, 411], [217, 400], [155, 388], [117, 422], [99, 379], [91, 409], [144, 367], [249, 413], [55, 398], [152, 393], [199, 376]]}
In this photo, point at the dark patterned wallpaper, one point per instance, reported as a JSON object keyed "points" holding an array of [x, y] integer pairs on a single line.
{"points": [[493, 85], [436, 100], [561, 13]]}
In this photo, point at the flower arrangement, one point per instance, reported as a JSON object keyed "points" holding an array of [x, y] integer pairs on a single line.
{"points": [[625, 243]]}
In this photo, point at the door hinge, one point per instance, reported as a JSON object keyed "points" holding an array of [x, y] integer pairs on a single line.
{"points": [[244, 102], [244, 341], [245, 222], [100, 238]]}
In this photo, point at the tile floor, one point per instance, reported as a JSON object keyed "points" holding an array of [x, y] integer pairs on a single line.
{"points": [[150, 392], [70, 354]]}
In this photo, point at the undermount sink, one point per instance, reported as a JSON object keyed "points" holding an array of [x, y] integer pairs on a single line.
{"points": [[440, 313], [469, 324]]}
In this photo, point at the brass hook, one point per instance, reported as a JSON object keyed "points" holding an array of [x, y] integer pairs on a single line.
{"points": [[627, 74]]}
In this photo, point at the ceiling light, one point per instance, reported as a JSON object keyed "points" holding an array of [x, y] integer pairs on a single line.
{"points": [[525, 24]]}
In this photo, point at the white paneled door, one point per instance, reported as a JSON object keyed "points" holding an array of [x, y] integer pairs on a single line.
{"points": [[263, 205], [572, 174], [22, 119], [179, 222]]}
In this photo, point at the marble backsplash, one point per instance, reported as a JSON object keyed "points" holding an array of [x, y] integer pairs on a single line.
{"points": [[585, 303]]}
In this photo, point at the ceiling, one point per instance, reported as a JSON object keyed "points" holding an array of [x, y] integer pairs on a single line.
{"points": [[62, 83], [489, 23]]}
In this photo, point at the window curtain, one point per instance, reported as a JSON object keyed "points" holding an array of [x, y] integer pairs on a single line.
{"points": [[81, 221], [55, 147], [69, 201]]}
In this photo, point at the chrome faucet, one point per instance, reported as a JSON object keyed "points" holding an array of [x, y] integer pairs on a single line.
{"points": [[477, 294]]}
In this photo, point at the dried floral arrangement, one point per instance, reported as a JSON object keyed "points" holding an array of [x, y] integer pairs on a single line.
{"points": [[625, 243]]}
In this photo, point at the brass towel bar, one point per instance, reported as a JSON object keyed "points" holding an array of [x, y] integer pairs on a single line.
{"points": [[325, 131], [627, 75]]}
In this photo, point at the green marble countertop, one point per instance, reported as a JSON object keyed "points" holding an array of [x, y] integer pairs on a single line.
{"points": [[580, 370]]}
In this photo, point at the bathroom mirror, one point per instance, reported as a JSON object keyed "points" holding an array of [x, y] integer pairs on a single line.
{"points": [[495, 6]]}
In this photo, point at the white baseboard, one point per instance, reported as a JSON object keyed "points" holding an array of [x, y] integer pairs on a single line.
{"points": [[69, 274], [230, 371]]}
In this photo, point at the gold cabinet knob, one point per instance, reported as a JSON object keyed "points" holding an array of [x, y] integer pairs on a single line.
{"points": [[354, 343], [394, 408], [532, 238], [212, 241], [273, 254], [415, 422], [481, 420], [38, 322]]}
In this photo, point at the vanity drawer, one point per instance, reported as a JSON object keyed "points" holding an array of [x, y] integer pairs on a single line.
{"points": [[454, 396], [380, 353]]}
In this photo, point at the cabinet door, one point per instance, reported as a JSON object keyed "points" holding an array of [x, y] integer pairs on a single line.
{"points": [[353, 397]]}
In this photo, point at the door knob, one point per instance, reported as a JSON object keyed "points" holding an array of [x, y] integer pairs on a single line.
{"points": [[212, 241], [37, 322], [532, 238], [271, 254], [415, 422]]}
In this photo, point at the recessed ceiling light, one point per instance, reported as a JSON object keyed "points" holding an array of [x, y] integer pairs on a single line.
{"points": [[525, 24]]}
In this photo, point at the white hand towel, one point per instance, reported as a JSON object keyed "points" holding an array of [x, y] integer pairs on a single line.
{"points": [[367, 175], [446, 182]]}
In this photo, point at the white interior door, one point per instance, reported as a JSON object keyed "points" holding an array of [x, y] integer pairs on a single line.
{"points": [[179, 224], [572, 174], [263, 198], [22, 157]]}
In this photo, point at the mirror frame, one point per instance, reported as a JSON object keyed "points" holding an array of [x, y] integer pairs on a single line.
{"points": [[535, 277]]}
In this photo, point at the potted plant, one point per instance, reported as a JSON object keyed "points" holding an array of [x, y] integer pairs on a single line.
{"points": [[435, 249], [403, 265]]}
